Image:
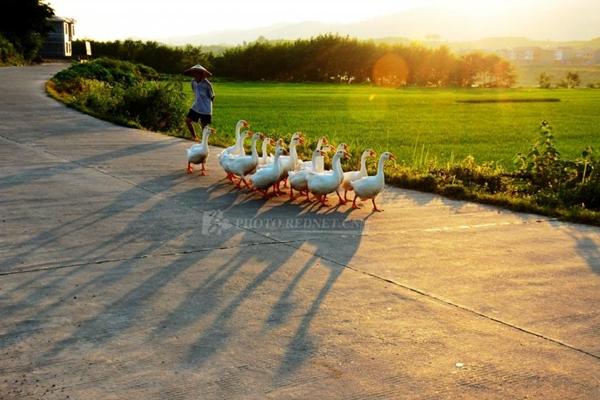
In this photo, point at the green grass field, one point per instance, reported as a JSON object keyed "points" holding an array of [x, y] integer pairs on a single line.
{"points": [[400, 120], [528, 75]]}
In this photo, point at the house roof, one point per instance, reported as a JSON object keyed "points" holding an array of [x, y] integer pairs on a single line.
{"points": [[62, 19]]}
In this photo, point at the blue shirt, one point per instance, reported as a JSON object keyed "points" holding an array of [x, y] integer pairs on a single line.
{"points": [[204, 93]]}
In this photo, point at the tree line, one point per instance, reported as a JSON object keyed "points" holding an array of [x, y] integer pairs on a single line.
{"points": [[325, 58], [23, 27]]}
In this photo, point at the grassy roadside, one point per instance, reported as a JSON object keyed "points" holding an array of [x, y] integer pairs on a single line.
{"points": [[544, 183]]}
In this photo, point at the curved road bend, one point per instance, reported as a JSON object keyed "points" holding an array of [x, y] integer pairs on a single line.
{"points": [[123, 277]]}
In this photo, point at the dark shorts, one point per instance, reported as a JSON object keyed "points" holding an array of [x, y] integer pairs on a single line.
{"points": [[205, 119]]}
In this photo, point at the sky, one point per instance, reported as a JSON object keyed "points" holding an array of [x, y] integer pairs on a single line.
{"points": [[152, 19]]}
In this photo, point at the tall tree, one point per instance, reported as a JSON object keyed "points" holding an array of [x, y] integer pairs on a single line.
{"points": [[25, 23]]}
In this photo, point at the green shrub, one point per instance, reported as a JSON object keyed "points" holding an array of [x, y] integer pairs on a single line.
{"points": [[555, 182], [8, 53], [123, 92], [154, 105], [106, 70]]}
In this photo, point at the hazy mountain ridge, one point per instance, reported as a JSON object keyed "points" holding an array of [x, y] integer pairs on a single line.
{"points": [[449, 25]]}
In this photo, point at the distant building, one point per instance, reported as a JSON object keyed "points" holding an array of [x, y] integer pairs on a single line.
{"points": [[564, 54], [59, 42], [530, 55]]}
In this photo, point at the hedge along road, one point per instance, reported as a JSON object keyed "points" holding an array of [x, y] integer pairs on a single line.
{"points": [[123, 277]]}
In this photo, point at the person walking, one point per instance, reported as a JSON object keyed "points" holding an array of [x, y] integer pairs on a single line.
{"points": [[201, 110]]}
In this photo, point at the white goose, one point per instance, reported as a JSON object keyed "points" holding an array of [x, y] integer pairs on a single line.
{"points": [[238, 148], [265, 157], [198, 153], [244, 165], [319, 164], [289, 163], [370, 186], [268, 176], [299, 178], [351, 176], [321, 184]]}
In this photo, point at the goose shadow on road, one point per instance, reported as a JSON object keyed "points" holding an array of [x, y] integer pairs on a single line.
{"points": [[210, 299]]}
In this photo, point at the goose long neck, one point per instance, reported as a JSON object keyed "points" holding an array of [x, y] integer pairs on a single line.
{"points": [[320, 144], [380, 168], [264, 150], [314, 159], [276, 162], [254, 151], [337, 165], [363, 164], [204, 138], [238, 128], [293, 153]]}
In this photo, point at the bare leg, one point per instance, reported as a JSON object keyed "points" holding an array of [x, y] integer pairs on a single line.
{"points": [[203, 170], [189, 168], [345, 195], [190, 126], [291, 193]]}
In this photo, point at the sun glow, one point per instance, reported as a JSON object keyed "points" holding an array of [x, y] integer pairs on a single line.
{"points": [[117, 19], [447, 19]]}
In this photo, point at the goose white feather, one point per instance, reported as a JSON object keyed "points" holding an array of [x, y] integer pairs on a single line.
{"points": [[268, 176], [351, 176], [238, 148], [299, 178], [317, 165], [321, 184], [198, 153], [290, 163], [244, 165], [370, 186]]}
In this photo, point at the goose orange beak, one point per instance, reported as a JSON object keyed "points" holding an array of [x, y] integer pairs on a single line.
{"points": [[392, 157]]}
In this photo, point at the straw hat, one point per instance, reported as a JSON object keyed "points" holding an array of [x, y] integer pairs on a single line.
{"points": [[196, 69]]}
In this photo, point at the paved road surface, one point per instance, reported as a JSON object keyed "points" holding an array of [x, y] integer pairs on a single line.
{"points": [[121, 277]]}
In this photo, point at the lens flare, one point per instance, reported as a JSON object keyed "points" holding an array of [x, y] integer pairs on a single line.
{"points": [[390, 71]]}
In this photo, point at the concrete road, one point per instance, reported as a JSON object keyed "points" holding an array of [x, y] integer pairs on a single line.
{"points": [[121, 277]]}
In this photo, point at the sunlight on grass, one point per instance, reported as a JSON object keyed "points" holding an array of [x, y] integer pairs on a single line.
{"points": [[396, 120]]}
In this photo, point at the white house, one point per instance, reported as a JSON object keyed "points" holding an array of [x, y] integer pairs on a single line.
{"points": [[58, 43]]}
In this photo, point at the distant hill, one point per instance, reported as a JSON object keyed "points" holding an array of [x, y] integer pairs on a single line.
{"points": [[507, 28]]}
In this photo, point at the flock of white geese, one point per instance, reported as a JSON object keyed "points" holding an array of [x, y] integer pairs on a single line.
{"points": [[269, 171]]}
